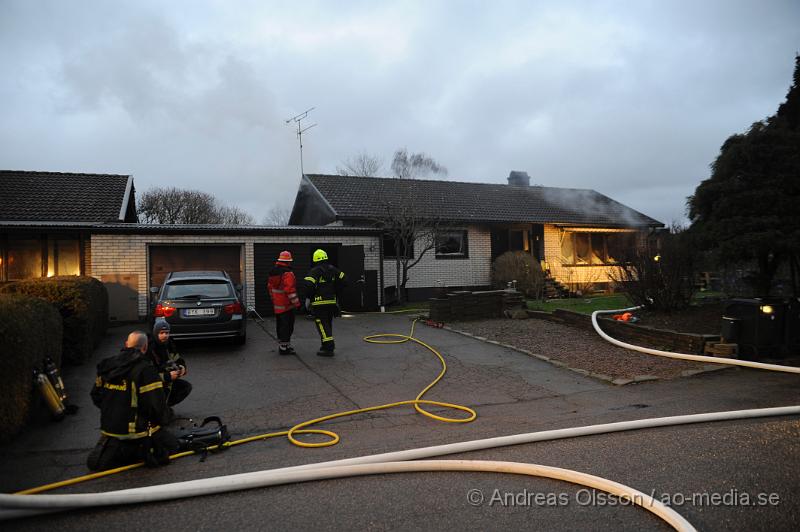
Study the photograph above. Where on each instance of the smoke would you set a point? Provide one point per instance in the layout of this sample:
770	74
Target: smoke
588	205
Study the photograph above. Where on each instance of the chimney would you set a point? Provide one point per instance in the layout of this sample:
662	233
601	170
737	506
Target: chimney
520	179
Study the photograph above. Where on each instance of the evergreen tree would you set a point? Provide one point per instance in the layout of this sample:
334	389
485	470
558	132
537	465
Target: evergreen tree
749	209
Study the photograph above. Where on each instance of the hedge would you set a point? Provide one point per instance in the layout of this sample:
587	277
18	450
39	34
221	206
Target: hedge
30	330
83	305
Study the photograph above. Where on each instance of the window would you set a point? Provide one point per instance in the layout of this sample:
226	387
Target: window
451	245
390	251
198	289
24	258
63	257
588	249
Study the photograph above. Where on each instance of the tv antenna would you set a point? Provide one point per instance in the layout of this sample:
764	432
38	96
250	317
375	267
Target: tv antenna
300	130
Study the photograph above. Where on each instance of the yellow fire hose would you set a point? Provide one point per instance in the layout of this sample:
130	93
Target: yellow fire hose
301	428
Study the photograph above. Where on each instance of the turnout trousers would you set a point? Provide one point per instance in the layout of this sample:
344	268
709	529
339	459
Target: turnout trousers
323	318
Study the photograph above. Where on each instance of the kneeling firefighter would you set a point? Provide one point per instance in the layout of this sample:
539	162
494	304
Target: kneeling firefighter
133	408
323	284
170	365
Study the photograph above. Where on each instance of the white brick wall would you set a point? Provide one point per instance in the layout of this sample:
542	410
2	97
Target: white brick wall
473	271
117	254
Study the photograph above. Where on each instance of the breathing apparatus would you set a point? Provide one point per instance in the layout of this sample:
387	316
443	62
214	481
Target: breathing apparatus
54	375
50	395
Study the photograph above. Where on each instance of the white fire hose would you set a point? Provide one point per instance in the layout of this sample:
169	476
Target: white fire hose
12	506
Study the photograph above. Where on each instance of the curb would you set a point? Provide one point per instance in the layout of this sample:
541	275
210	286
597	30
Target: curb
708	368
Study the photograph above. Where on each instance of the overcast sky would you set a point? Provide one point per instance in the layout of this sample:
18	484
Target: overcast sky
630	98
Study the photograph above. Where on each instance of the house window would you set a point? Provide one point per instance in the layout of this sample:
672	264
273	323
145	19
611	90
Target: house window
390	250
586	249
24	258
451	245
63	257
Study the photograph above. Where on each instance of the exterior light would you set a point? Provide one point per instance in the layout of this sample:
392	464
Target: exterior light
657	258
767	309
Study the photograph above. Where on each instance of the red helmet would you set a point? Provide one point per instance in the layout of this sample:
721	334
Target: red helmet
285	256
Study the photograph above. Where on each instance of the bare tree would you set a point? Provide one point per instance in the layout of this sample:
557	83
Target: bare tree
180	206
411	235
362	165
278	215
415	165
234	215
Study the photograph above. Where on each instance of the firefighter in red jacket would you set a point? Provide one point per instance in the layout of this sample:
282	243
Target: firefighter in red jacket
283	292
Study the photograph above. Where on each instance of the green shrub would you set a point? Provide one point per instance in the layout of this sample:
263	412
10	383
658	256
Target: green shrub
521	267
83	305
30	329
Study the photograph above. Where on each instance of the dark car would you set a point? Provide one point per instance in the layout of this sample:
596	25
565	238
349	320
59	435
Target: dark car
201	304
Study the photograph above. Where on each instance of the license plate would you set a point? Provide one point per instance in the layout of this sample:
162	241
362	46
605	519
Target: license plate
200	311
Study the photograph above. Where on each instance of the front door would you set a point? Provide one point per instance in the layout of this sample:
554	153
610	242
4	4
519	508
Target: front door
351	262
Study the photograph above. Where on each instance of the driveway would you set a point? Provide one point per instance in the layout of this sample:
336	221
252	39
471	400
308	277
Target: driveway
256	391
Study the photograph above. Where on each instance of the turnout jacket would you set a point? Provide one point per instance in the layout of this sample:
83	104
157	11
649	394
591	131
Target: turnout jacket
324	283
130	395
162	356
282	288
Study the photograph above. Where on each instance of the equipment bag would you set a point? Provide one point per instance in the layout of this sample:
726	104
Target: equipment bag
202	437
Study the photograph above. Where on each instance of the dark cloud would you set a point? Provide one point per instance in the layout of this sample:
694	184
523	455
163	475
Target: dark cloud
630	99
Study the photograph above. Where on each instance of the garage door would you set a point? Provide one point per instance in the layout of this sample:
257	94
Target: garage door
361	293
165	259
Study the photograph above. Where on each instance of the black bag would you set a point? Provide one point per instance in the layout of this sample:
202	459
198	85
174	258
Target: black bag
202	437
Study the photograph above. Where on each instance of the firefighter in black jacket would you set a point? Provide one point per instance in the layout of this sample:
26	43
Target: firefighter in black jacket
324	283
133	408
171	367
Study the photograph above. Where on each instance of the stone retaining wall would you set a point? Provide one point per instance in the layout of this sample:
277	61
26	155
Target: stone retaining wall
462	305
633	333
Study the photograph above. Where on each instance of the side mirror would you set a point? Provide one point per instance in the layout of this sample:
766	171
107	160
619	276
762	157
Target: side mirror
153	289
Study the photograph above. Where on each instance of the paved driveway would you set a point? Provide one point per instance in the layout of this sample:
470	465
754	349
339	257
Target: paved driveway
257	391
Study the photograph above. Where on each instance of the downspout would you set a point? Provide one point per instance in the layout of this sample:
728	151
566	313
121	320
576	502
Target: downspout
380	273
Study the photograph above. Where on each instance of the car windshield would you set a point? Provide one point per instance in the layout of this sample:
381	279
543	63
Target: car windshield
198	289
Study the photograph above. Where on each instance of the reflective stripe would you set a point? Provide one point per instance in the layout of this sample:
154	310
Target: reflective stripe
325	337
324	302
277	291
132	435
279	307
134	396
341	275
119	387
151	387
310	279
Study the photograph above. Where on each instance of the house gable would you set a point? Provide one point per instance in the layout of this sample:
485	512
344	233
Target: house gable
310	206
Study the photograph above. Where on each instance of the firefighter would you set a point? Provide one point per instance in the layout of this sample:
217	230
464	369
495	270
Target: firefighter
169	364
323	284
282	288
133	408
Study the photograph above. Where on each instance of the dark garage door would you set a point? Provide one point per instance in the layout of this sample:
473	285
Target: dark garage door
165	259
349	258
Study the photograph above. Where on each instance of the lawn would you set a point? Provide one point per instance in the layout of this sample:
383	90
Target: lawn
581	304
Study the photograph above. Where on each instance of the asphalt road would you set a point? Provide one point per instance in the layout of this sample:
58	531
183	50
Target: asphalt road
708	472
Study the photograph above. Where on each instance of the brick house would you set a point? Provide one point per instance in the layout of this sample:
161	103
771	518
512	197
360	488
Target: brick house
85	224
577	235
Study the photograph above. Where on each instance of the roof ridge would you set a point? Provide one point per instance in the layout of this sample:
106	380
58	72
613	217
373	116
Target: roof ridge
449	182
46	173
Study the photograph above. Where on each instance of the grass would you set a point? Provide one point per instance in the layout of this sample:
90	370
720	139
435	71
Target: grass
584	305
587	305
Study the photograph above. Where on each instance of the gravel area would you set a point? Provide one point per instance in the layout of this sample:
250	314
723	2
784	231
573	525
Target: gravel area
576	348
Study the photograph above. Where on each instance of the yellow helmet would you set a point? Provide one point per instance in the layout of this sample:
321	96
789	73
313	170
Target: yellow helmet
320	255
